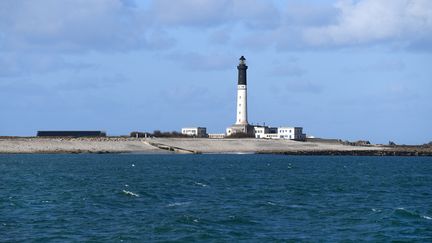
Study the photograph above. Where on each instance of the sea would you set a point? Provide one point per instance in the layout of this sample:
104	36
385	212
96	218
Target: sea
214	198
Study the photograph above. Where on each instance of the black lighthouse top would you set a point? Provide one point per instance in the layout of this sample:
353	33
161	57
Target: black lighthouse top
242	71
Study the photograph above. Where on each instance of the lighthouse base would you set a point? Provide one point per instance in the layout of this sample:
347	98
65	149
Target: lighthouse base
241	130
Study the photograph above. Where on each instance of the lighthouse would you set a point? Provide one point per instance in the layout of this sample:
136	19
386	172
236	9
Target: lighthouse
242	93
241	124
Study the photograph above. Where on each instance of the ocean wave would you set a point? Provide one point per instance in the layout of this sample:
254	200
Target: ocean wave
201	184
402	212
129	193
178	204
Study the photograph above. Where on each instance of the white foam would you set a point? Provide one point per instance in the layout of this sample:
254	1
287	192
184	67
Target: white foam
271	203
426	217
201	184
130	193
178	204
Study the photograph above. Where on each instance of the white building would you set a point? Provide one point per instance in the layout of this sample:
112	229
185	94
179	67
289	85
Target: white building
292	133
199	132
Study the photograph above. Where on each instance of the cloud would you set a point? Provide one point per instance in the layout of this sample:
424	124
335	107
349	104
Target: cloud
209	13
221	37
18	64
199	62
375	21
75	25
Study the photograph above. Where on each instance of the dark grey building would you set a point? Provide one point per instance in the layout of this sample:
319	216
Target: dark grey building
71	134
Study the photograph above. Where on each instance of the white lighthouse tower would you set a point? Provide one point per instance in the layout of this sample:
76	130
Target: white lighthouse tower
242	93
241	124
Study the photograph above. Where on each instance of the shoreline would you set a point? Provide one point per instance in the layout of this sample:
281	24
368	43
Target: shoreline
121	145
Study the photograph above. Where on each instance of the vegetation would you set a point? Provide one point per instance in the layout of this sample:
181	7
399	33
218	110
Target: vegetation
240	135
357	143
173	134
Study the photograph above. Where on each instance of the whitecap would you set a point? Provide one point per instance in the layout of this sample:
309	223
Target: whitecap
201	184
426	217
271	203
129	193
133	165
178	204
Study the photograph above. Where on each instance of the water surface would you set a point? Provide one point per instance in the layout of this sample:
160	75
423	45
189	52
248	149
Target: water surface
126	197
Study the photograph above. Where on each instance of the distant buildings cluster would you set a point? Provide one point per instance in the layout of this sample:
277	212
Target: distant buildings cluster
242	128
292	133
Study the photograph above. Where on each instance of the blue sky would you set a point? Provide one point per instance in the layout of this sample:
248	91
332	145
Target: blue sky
341	69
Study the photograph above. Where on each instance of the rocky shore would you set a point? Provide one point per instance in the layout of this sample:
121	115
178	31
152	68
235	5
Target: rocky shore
20	145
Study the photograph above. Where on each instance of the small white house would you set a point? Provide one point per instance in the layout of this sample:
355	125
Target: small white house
294	133
199	132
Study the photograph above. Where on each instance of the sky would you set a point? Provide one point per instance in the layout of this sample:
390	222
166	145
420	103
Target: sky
349	69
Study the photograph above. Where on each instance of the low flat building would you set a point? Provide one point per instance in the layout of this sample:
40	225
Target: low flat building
199	132
292	133
74	134
265	131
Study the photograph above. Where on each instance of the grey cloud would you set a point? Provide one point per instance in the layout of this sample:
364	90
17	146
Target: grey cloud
74	25
208	13
19	64
374	21
393	24
306	14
